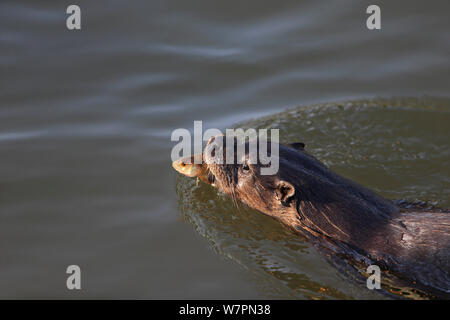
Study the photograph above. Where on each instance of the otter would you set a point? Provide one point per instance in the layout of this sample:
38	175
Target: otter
336	213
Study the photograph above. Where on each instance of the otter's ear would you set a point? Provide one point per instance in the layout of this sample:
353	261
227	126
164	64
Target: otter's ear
284	191
297	146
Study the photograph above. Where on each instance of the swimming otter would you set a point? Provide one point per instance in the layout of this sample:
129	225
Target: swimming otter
339	214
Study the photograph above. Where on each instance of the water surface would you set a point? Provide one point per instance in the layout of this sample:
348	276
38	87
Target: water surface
86	118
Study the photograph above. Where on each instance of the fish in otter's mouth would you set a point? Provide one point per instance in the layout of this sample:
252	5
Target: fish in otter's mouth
187	167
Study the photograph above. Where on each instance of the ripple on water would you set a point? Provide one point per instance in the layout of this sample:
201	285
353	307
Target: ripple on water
398	147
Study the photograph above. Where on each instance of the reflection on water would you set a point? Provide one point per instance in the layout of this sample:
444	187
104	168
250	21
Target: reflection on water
369	141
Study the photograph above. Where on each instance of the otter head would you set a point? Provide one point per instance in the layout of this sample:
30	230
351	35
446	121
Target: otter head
242	174
302	193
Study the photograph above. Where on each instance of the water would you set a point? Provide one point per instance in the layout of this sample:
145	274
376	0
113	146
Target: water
86	118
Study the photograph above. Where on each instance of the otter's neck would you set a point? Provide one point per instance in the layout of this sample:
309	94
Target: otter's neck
342	210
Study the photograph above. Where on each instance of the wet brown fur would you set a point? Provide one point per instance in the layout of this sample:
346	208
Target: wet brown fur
319	204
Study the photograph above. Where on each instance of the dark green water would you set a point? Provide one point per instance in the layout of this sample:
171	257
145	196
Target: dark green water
398	148
86	118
